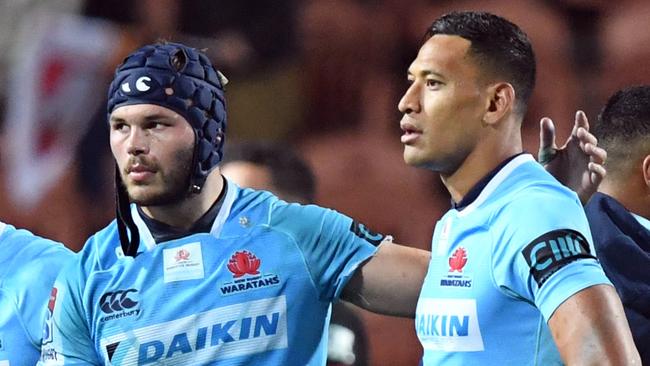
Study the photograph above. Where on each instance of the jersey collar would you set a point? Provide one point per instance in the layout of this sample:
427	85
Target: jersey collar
481	190
211	222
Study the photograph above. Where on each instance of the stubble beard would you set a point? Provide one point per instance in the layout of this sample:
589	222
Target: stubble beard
174	184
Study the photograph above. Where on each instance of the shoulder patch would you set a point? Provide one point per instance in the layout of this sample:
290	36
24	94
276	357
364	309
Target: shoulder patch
550	252
363	232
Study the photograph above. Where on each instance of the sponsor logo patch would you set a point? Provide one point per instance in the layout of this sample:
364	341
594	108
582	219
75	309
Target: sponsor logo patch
183	263
455	277
47	327
245	268
363	232
550	252
119	304
449	325
49	356
222	333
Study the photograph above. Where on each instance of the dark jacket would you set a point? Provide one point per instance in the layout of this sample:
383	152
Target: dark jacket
623	248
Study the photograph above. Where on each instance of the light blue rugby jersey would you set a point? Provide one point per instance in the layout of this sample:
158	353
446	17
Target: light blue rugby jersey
255	291
499	269
28	266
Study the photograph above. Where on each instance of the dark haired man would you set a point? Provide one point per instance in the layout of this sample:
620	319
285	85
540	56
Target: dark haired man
270	166
513	277
619	213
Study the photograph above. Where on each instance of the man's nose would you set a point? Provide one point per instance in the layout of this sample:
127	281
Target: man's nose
410	101
137	143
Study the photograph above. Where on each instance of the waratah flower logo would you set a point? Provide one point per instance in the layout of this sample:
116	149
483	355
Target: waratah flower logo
242	263
458	260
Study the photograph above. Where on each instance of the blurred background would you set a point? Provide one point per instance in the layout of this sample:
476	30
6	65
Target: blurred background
324	76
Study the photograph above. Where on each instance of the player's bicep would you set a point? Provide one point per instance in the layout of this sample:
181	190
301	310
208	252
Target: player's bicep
590	328
390	281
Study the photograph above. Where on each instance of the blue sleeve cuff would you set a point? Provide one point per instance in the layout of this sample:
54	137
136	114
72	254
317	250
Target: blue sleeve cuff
568	281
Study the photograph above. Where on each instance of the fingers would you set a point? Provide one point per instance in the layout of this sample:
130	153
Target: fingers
547	147
589	145
597	155
546	134
580	122
597	173
585	137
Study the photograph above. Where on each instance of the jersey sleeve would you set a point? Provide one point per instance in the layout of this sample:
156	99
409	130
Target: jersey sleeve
544	253
66	334
36	279
35	266
332	244
30	265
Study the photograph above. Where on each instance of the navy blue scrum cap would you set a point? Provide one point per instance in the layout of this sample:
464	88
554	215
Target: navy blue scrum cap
182	79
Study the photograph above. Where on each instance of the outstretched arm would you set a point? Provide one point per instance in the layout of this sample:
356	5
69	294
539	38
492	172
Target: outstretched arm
390	281
579	163
590	328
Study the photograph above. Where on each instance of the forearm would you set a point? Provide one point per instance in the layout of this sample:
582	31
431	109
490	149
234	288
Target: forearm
390	282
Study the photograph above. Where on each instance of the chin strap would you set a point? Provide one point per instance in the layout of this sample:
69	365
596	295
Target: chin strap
124	219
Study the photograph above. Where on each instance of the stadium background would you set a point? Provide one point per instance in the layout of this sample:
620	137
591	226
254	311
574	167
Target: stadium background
322	75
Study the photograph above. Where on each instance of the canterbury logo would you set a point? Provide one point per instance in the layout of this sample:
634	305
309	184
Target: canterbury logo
117	301
141	85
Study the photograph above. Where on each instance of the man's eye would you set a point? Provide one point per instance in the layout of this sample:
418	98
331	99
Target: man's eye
120	126
433	83
156	125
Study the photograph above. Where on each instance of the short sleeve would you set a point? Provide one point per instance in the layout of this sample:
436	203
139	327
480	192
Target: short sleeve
66	335
33	276
544	251
332	244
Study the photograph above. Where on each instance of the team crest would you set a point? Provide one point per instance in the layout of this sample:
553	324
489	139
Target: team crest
242	263
455	276
245	266
458	260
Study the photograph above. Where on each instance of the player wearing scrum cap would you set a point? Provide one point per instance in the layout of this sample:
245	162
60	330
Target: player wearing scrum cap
196	270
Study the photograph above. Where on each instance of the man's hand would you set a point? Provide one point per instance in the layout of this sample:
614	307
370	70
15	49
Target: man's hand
579	163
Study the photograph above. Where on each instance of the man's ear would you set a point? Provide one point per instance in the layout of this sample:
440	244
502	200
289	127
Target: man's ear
646	171
501	102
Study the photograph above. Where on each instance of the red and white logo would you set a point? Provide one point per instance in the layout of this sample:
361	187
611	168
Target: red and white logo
458	260
182	255
242	263
50	304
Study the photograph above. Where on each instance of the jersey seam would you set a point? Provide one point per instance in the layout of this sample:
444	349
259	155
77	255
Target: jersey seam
513	196
302	254
22	322
295	243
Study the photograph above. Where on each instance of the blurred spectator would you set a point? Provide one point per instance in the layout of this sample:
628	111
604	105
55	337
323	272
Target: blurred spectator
54	78
625	45
279	169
